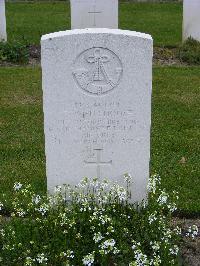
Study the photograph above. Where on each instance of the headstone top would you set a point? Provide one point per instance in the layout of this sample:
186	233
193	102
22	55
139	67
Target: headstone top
3	34
94	14
191	19
97	31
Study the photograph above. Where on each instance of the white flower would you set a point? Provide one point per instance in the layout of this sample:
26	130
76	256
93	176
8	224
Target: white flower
2	232
153	183
119	192
178	230
111	229
167	234
144	204
70	254
89	259
95	182
135	244
104	184
36	199
17	186
172	207
43	209
63	254
174	250
155	245
115	250
133	263
1	206
192	231
97	237
107	246
127	177
21	213
152	217
141	258
83	183
162	199
57	189
104	219
41	258
156	261
29	261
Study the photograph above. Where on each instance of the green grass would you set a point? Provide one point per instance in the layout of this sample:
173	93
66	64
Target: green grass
28	21
175	130
162	21
22	141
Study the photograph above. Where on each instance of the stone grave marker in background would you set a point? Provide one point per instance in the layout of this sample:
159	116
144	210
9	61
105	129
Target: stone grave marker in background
191	19
3	34
97	106
94	14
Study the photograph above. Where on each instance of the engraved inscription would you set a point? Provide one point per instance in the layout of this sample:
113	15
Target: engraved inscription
94	12
97	70
98	162
105	122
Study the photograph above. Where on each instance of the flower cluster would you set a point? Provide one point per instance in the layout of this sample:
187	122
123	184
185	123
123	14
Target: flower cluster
154	182
88	259
17	186
93	223
192	231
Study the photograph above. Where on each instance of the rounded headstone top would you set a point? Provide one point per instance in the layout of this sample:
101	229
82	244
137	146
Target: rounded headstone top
96	31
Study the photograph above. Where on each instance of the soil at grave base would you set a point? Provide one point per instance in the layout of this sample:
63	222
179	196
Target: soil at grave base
34	54
190	250
166	57
34	57
162	56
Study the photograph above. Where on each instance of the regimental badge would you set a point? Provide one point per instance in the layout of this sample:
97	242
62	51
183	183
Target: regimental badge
97	70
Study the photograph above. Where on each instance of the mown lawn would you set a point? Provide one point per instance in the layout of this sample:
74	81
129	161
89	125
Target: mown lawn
28	21
175	130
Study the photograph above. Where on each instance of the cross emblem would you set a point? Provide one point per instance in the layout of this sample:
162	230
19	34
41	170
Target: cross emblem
100	74
98	162
94	12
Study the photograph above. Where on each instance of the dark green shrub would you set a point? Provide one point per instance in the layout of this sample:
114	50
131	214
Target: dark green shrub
13	52
189	52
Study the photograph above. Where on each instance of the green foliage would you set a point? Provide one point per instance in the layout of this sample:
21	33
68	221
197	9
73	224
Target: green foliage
91	224
15	52
189	52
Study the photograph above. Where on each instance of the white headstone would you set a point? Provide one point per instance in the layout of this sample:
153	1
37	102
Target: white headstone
191	19
3	35
94	14
97	106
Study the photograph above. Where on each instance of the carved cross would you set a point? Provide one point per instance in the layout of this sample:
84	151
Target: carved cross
94	12
98	59
98	162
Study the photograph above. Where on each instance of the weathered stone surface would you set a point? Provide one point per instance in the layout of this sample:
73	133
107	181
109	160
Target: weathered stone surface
94	14
97	106
3	34
191	19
